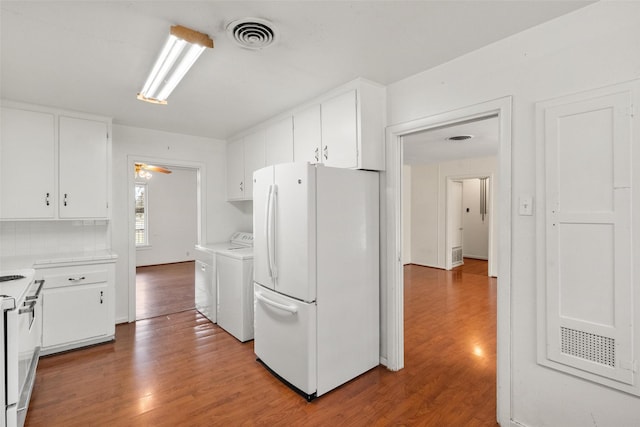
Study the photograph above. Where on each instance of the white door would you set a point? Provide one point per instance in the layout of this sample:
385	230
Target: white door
295	230
83	168
340	131
27	153
285	337
454	221
306	135
262	220
588	229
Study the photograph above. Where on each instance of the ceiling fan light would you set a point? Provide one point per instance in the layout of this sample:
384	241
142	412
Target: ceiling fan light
173	63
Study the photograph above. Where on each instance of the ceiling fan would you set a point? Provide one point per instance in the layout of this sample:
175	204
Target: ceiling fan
143	170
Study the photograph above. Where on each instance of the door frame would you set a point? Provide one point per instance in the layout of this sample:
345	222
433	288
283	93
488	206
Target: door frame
448	234
392	296
491	261
131	204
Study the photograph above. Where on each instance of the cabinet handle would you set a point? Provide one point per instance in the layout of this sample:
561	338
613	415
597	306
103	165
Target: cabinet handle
76	279
317	154
46	199
101	297
241	189
65	199
326	152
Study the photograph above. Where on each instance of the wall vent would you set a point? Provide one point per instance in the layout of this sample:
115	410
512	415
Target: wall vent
592	347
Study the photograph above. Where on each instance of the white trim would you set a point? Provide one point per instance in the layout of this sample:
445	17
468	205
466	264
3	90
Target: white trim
391	248
491	262
131	239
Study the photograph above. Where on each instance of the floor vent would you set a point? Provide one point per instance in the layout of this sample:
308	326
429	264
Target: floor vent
592	347
456	255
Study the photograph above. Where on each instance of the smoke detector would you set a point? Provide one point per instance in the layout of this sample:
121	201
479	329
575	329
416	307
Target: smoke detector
458	138
252	33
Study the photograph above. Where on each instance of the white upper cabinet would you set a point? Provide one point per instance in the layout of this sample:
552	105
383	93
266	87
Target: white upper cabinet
343	128
279	142
83	168
235	169
306	135
254	159
54	165
339	131
27	159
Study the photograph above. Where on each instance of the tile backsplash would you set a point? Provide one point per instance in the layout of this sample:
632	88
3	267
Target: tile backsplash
20	238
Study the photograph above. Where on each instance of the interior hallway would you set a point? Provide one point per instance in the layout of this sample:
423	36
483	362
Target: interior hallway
183	370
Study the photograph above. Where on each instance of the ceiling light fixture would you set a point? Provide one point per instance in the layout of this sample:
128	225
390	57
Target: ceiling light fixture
179	53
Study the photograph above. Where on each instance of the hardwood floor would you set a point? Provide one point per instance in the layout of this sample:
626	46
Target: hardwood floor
164	289
182	370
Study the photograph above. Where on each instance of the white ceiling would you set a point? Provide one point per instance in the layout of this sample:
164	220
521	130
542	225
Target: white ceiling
432	146
93	56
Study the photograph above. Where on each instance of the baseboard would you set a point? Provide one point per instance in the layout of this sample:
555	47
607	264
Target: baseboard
383	362
481	258
122	320
514	423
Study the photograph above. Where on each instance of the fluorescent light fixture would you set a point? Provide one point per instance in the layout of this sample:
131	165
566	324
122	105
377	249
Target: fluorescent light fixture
180	52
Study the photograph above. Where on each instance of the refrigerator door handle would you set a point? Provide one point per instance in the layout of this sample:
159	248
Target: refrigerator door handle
271	203
284	307
267	228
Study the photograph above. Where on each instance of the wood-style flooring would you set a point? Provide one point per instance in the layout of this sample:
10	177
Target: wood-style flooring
182	370
164	289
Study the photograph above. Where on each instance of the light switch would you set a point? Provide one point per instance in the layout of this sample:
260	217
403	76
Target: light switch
526	205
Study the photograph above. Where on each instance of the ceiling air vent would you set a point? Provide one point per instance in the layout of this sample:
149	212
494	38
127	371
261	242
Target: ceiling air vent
252	33
459	138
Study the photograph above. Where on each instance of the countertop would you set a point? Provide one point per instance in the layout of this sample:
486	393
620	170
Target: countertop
55	259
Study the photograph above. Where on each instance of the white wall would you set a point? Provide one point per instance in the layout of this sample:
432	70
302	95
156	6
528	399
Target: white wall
428	209
592	47
172	207
475	230
222	218
406	214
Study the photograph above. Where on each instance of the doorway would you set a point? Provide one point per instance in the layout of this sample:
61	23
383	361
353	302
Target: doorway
393	277
166	234
162	268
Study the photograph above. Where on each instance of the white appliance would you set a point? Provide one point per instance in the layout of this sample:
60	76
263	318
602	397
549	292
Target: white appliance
235	292
22	326
205	271
316	273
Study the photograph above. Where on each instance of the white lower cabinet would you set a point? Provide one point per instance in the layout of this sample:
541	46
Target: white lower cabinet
78	306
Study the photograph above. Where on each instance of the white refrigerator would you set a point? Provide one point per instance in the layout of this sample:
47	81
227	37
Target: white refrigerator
316	274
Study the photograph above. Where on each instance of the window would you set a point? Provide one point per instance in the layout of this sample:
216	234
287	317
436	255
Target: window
142	220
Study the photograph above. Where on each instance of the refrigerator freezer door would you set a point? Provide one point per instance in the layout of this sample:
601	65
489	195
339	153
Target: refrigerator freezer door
285	337
295	230
263	250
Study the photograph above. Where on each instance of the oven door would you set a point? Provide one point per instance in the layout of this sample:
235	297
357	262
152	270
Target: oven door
24	338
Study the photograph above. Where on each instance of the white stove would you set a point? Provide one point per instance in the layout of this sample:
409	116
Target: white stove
22	326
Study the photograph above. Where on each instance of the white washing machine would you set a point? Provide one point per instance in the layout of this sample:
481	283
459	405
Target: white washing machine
205	272
235	292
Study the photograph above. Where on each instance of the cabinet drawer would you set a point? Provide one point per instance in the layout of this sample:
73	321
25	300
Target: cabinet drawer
75	277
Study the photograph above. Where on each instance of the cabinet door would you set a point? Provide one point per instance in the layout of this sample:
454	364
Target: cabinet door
306	135
27	159
340	131
83	168
254	159
235	169
279	142
74	313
